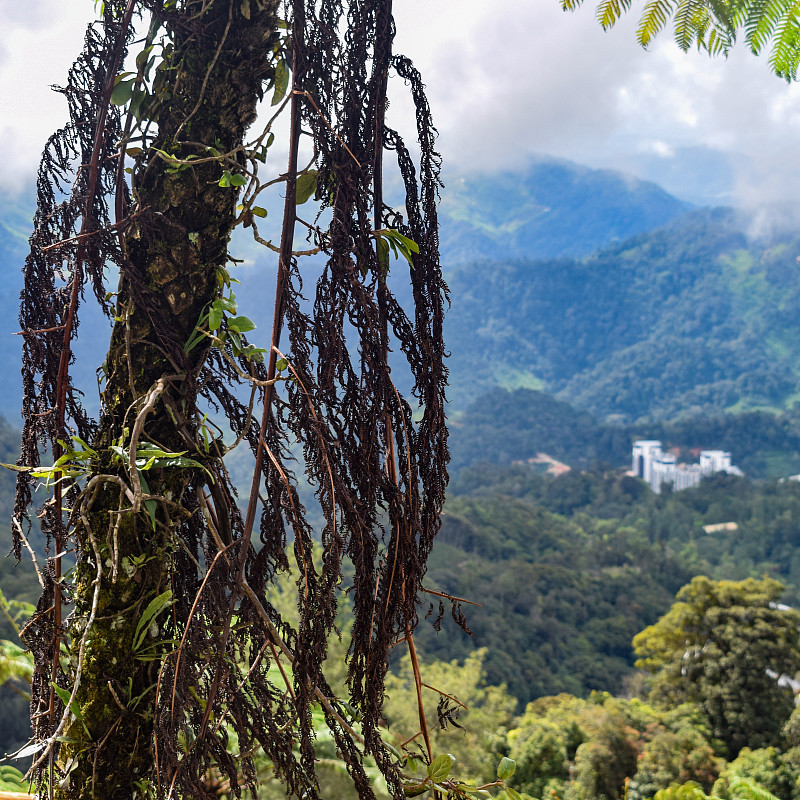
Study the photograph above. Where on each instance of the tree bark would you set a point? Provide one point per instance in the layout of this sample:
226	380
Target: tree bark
174	249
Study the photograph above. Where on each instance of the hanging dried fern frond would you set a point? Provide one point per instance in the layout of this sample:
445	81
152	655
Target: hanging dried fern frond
179	666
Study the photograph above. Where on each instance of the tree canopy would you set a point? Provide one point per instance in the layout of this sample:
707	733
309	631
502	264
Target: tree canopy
726	646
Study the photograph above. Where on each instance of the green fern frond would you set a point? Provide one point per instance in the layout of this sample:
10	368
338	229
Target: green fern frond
728	15
718	43
692	21
785	54
713	25
609	11
653	19
762	20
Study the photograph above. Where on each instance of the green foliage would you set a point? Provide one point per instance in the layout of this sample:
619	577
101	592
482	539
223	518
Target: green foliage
400	245
691	318
762	774
713	26
676	751
306	186
560	599
477	738
685	791
584	749
12	780
723	646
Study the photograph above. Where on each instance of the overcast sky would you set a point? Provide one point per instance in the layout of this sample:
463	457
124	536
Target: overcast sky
506	79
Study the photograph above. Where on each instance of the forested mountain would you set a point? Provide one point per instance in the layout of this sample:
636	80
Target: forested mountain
549	209
15	227
688	315
694	316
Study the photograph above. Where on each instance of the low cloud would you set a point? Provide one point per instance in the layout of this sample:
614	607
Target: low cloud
506	80
518	78
41	40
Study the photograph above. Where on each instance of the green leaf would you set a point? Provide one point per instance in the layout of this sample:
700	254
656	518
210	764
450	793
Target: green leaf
154	607
254	353
241	324
214	317
440	767
64	694
238	180
225	180
513	793
141	56
306	186
410	244
122	92
416	788
281	82
227	303
245	8
150	505
281	364
137	99
506	767
257	211
383	254
147	450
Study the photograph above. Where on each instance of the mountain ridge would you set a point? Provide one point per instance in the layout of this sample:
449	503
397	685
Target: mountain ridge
692	316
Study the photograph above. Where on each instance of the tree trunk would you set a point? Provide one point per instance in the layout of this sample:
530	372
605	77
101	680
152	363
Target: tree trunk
174	250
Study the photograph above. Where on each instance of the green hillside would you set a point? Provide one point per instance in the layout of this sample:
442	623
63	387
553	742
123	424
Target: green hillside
567	569
551	208
693	317
502	427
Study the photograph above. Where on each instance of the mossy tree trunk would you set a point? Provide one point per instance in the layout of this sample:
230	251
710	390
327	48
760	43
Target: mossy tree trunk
174	248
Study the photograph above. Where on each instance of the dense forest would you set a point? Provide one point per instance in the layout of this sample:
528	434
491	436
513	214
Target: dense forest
503	426
692	317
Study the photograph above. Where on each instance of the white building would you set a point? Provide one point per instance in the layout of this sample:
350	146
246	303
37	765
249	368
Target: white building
645	451
656	467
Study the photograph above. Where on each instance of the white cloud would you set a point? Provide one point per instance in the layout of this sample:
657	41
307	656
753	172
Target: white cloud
506	79
41	38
